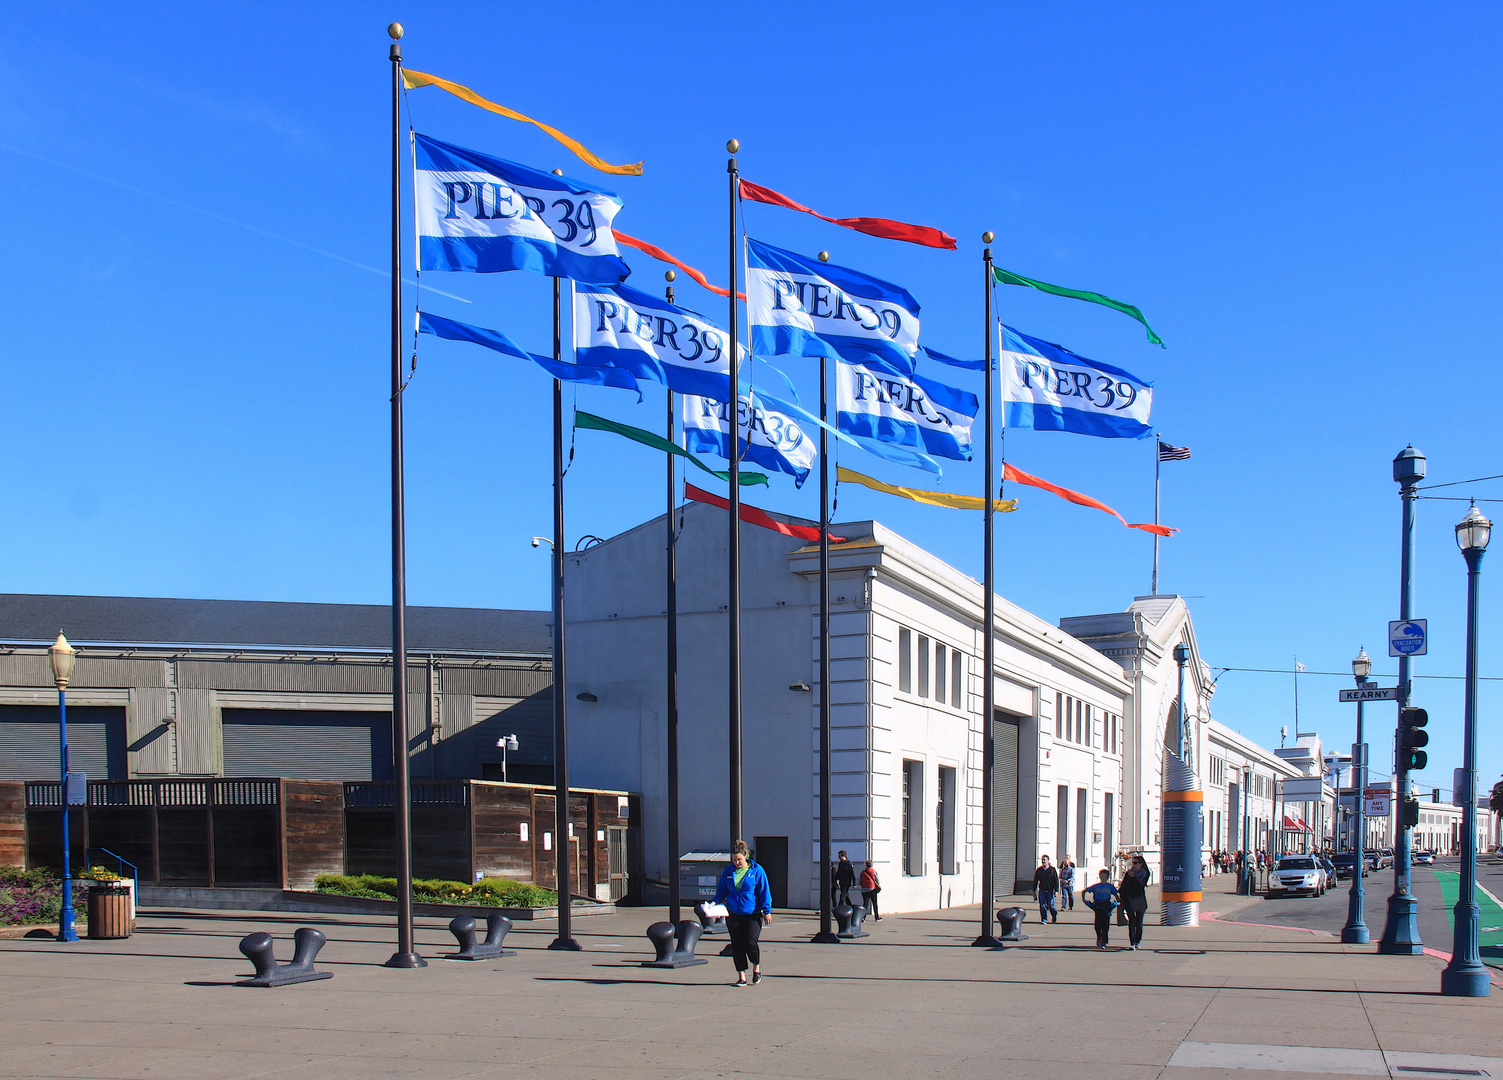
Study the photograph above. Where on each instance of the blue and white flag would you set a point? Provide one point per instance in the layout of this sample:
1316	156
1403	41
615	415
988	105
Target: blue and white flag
968	365
1046	387
918	412
770	438
483	214
617	326
439	326
805	307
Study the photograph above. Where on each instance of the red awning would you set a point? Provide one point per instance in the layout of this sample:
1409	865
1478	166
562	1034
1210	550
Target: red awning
1294	825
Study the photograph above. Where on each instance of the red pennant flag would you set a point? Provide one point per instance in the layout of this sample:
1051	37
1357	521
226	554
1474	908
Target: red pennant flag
872	226
752	516
661	255
1019	476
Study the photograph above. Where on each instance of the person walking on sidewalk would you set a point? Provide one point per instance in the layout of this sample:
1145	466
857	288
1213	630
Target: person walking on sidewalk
1067	884
845	881
1045	885
747	897
1134	892
1101	898
869	890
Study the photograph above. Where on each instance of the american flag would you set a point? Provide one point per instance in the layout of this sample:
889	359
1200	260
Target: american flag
1173	453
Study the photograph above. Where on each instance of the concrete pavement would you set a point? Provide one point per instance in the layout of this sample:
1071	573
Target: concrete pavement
912	1000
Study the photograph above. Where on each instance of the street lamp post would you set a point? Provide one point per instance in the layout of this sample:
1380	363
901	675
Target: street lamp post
62	656
1247	853
1465	976
1355	931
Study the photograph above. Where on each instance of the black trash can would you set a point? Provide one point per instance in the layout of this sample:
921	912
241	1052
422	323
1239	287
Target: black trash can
109	910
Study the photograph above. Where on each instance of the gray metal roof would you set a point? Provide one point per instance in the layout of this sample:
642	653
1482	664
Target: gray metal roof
162	621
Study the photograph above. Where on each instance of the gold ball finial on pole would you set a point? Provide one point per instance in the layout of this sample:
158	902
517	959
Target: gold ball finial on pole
987	237
732	146
824	256
669	276
396	31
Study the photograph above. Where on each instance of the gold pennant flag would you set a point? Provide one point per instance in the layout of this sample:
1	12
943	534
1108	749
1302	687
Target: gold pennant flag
414	79
933	498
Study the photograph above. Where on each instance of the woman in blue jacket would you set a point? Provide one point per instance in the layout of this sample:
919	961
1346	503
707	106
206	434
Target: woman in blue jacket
747	897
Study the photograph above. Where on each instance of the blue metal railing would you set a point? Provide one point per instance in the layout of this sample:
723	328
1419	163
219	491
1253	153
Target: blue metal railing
120	864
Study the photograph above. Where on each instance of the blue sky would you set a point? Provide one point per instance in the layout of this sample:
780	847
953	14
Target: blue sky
1303	200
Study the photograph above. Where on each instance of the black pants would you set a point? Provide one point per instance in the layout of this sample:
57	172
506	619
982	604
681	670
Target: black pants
1135	925
746	932
1103	925
870	896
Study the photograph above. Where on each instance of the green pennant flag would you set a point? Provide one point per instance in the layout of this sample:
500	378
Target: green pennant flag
1006	277
657	442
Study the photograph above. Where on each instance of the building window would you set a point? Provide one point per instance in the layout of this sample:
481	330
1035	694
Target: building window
905	660
939	673
1080	708
1108	827
923	666
1062	838
957	679
944	816
1088	730
1059	715
913	799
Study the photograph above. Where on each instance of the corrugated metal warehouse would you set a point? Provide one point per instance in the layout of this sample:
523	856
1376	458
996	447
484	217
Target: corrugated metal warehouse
193	688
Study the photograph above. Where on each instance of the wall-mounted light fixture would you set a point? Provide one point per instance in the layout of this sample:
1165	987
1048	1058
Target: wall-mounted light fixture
585	695
801	686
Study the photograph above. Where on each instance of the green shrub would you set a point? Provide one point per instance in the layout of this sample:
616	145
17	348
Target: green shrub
35	896
487	892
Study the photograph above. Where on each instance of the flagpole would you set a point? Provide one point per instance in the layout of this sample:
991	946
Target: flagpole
563	879
674	899
826	936
733	603
1155	513
404	957
986	938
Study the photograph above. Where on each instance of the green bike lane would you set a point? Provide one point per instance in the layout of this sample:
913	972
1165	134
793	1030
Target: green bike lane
1491	936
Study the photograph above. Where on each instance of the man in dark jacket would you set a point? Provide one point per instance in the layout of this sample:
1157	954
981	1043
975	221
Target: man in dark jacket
1045	885
845	880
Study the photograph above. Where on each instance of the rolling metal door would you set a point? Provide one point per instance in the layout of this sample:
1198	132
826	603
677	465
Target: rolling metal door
28	742
307	745
1005	806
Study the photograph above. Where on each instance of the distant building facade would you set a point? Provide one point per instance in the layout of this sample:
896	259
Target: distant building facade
202	688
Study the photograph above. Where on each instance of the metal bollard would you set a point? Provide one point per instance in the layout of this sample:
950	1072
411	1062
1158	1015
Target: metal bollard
674	947
306	944
849	918
708	925
1010	924
497	926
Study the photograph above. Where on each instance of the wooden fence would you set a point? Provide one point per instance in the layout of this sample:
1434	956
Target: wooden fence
277	832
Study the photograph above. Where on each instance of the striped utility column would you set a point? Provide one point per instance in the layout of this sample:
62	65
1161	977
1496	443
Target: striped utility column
1181	831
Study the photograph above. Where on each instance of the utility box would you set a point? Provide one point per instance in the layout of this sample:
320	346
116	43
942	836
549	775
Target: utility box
698	874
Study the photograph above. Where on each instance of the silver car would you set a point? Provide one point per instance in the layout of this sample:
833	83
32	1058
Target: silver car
1297	874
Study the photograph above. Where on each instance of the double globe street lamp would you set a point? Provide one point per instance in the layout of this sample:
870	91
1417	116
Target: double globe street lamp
1465	975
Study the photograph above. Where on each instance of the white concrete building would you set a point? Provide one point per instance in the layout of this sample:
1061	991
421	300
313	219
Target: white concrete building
906	699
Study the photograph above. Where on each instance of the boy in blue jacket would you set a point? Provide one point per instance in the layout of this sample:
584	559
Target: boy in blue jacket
1102	898
747	897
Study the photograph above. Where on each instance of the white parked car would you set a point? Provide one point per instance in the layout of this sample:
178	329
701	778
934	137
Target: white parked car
1297	874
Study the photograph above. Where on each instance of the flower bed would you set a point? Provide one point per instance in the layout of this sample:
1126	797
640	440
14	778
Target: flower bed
35	896
487	892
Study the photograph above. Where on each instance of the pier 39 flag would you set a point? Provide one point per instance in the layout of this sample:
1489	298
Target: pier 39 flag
802	306
617	326
1048	388
485	215
917	412
769	438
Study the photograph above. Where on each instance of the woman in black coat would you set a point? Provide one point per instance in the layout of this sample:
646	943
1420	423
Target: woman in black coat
1133	890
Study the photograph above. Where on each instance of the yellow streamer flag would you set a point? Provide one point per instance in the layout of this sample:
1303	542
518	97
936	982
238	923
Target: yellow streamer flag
414	79
933	498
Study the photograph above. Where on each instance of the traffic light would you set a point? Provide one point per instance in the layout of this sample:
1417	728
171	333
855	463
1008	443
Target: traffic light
1412	736
1411	811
